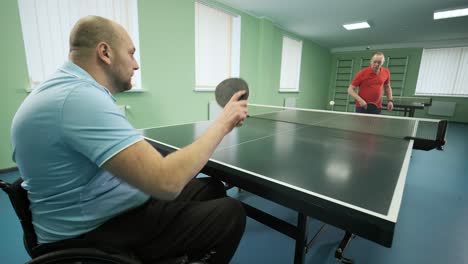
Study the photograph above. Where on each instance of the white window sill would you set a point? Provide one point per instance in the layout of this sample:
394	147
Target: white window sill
140	90
136	91
288	91
442	95
204	89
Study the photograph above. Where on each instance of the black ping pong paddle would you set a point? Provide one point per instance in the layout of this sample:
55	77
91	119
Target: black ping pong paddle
227	88
372	109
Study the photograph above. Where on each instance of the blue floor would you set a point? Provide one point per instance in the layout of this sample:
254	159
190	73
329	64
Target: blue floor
432	226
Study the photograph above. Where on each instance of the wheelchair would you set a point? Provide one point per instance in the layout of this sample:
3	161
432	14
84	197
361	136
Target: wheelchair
70	251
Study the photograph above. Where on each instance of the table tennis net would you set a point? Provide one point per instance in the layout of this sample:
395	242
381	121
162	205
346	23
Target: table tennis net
422	130
407	100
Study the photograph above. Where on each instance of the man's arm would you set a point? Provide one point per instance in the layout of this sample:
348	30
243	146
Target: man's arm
388	93
165	177
352	92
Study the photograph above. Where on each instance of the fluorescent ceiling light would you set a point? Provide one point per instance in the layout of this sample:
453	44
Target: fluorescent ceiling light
356	25
451	13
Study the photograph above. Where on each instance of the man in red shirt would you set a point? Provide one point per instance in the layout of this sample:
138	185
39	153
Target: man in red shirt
370	81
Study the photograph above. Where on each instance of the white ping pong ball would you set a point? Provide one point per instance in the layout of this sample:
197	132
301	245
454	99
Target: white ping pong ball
332	102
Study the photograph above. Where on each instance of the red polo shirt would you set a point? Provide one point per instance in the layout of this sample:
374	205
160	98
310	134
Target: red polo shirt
371	84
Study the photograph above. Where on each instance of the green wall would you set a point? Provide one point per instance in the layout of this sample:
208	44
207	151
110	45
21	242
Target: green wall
168	67
414	60
13	74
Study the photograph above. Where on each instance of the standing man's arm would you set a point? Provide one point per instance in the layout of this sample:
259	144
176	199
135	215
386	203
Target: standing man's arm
352	92
165	177
388	93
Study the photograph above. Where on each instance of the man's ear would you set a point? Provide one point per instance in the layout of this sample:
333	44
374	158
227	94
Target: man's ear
104	52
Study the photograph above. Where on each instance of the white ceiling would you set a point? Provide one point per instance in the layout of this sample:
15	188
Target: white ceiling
394	23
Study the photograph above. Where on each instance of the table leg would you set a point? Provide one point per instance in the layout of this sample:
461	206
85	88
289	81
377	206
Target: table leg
341	248
301	239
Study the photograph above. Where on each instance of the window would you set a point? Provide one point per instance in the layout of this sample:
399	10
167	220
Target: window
217	46
46	26
443	72
290	65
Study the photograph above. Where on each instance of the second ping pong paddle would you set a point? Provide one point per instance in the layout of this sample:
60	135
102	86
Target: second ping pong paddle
227	88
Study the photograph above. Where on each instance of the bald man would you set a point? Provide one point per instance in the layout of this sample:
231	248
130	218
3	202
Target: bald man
90	174
372	81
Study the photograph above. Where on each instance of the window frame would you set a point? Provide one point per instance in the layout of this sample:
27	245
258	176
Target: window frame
30	11
234	57
295	89
458	77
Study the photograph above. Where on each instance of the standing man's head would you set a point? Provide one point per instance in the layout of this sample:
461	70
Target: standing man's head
377	61
104	49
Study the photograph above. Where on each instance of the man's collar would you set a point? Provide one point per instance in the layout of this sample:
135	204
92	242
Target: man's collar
75	70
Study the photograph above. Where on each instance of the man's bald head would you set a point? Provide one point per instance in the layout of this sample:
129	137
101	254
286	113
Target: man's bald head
91	30
104	49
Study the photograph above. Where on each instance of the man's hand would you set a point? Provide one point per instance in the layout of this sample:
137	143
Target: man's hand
363	103
233	113
390	106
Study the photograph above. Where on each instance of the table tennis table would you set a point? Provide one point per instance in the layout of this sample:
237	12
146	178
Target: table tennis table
344	169
406	104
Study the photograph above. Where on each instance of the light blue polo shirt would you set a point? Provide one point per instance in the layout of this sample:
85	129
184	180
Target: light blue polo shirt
62	134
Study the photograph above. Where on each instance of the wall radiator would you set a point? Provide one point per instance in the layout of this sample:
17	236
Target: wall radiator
442	108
